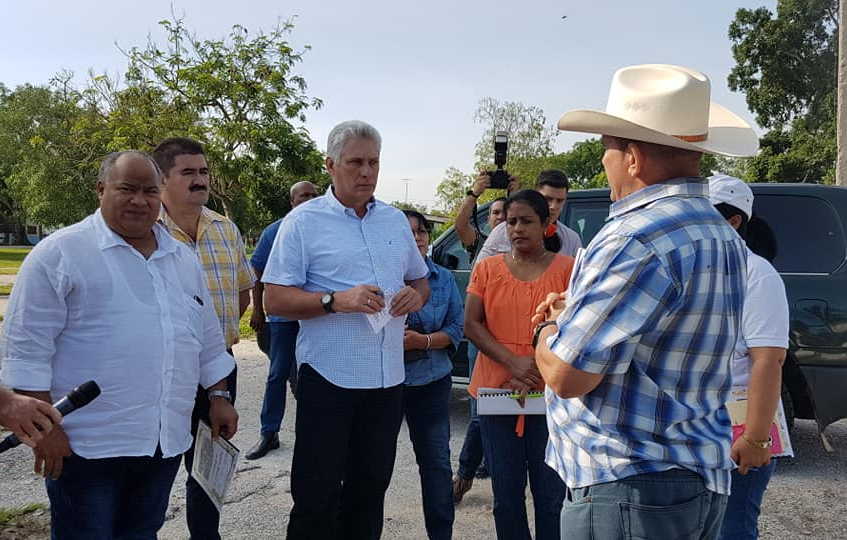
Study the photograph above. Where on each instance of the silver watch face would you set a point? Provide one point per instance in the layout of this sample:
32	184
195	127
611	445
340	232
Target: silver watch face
326	299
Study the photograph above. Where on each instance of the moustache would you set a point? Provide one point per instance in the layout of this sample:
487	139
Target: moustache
198	188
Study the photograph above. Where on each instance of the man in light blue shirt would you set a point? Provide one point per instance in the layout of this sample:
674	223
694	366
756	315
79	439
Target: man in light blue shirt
342	264
282	334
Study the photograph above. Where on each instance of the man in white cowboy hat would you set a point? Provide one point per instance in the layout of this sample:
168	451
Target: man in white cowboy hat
636	354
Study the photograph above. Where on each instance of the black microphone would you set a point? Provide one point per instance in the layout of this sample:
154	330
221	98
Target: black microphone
80	396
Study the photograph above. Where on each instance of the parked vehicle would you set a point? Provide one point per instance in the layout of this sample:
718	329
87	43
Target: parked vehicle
801	229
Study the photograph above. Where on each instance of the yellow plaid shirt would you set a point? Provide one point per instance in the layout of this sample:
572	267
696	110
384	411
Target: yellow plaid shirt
221	252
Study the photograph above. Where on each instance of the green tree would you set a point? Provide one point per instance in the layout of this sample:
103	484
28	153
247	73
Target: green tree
451	190
530	140
249	104
526	125
50	151
786	66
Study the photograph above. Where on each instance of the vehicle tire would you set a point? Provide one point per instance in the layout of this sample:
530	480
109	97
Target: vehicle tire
788	406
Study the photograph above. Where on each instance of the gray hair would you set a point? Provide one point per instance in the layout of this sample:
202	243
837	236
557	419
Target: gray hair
109	161
351	129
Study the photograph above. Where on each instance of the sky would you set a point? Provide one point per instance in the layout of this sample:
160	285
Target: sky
415	70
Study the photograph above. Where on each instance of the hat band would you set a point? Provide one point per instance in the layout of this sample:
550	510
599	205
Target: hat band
693	138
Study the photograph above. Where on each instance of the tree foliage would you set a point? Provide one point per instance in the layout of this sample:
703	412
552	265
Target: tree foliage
246	97
786	66
239	96
526	125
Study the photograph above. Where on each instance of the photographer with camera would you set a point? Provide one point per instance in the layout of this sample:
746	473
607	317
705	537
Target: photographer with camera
553	185
467	231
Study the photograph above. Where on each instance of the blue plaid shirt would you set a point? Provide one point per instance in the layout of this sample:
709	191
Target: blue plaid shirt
655	305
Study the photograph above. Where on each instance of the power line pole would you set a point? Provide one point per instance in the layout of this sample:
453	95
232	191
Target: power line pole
841	122
407	180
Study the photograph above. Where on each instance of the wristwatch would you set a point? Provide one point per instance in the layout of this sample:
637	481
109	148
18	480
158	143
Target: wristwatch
327	300
470	193
221	394
538	329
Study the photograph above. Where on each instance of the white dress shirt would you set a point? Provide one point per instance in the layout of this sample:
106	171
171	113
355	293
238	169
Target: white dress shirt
88	306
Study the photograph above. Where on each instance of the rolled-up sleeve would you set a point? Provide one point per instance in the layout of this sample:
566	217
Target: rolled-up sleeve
215	362
287	263
454	321
246	279
620	289
35	316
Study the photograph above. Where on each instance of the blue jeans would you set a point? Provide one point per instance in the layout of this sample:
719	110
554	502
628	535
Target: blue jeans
427	412
283	339
112	498
670	504
201	515
510	458
470	457
741	520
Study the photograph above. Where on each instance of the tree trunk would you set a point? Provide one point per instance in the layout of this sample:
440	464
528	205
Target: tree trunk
20	234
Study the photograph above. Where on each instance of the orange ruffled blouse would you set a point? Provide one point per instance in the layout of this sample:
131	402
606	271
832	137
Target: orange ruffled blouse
509	304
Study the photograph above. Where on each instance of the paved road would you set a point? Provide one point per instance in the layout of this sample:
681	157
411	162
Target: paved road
806	498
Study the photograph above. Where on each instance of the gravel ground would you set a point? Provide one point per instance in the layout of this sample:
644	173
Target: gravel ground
804	500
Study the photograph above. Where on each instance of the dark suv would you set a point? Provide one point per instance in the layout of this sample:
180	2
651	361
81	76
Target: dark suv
801	229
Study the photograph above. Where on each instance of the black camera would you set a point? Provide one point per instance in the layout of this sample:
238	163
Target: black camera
500	177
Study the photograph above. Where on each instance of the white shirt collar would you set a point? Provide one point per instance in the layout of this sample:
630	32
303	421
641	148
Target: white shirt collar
107	238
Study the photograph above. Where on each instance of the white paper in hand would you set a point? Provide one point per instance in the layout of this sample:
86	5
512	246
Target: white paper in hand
379	319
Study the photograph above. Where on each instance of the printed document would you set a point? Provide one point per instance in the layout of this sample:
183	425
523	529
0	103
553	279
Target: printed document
214	464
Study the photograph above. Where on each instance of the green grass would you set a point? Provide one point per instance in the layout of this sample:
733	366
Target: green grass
11	259
5	290
244	330
9	516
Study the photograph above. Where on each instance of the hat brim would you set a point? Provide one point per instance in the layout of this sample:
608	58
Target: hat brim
728	135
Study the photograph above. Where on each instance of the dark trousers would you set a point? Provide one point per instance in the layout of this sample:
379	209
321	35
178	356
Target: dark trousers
427	412
344	450
741	520
470	458
668	504
510	458
283	340
112	498
200	512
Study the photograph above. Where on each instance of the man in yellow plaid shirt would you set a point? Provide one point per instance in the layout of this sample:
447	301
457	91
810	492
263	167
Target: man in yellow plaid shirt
218	244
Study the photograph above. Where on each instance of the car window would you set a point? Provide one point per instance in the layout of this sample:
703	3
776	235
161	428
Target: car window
811	244
586	218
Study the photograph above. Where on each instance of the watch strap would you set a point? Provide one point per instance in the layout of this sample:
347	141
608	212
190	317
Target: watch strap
537	333
221	394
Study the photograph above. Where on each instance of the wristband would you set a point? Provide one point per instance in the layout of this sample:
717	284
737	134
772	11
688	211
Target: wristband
470	193
538	329
428	341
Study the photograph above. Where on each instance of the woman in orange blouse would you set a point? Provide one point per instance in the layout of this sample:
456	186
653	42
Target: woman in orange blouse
502	296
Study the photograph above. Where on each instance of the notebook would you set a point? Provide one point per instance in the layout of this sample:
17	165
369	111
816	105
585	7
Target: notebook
737	407
500	401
